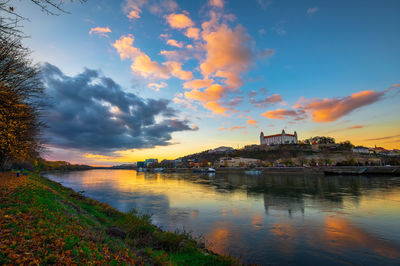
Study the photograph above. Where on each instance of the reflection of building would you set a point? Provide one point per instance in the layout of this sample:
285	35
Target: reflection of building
278	203
282	138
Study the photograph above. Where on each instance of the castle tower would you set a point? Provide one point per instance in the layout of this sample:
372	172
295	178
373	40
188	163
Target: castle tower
261	138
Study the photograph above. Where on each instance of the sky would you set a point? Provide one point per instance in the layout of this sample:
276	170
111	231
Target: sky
136	79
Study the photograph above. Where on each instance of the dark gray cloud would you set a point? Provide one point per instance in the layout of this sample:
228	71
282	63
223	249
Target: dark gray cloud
91	112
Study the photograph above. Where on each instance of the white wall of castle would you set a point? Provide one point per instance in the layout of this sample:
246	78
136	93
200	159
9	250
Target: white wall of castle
281	139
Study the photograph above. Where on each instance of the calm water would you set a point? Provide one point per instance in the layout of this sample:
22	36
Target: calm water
267	219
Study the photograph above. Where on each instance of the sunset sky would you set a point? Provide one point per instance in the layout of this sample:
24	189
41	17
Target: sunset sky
135	79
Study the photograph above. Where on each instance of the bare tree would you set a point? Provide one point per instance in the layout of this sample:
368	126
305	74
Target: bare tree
10	20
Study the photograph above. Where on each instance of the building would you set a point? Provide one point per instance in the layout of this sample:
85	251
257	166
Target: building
150	162
237	162
282	138
140	164
380	150
361	149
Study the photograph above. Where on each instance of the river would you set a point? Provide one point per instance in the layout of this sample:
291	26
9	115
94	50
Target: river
263	219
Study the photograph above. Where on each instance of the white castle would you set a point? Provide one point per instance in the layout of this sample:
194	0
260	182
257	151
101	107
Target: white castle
282	138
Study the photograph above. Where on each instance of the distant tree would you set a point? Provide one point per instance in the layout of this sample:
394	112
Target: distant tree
319	140
346	145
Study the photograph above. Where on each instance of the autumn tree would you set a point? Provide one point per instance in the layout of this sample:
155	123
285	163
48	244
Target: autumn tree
21	89
18	128
21	92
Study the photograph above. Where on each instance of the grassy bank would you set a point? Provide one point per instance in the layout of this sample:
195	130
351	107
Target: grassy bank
42	222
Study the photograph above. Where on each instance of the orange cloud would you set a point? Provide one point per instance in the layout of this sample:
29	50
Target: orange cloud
228	55
222	128
228	52
175	43
192	33
328	110
384	138
211	94
175	68
216	3
125	47
216	108
100	31
209	98
157	86
132	9
197	83
179	21
283	113
195	127
144	66
236	128
252	122
355	127
133	14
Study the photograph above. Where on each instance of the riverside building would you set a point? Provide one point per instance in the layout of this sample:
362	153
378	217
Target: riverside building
282	138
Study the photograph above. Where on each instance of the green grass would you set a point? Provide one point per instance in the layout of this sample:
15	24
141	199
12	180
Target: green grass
60	225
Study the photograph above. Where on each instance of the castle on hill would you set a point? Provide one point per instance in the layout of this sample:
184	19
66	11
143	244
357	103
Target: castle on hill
282	138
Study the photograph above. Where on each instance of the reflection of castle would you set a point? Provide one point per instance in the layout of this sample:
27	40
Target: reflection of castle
282	138
278	203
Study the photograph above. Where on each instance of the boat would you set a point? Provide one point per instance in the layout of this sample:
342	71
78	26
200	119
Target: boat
203	170
210	170
252	172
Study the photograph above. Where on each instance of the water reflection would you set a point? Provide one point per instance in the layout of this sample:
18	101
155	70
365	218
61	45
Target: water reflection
263	219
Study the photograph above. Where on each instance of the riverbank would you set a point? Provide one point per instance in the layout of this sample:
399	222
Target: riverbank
315	170
42	222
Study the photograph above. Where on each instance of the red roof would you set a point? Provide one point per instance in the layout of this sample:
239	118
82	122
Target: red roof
271	136
278	135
